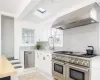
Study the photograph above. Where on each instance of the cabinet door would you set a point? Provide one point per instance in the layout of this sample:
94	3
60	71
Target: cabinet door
47	34
40	63
27	36
47	63
95	74
36	59
42	34
39	35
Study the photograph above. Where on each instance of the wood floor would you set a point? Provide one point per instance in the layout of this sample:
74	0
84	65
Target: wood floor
32	76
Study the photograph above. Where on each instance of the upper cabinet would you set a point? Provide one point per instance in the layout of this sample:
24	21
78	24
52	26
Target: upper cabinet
27	36
42	34
45	32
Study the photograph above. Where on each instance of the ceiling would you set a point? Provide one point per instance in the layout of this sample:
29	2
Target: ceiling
9	6
53	7
12	7
24	9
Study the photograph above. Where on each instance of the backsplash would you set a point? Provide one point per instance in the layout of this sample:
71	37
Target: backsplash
27	47
77	39
43	44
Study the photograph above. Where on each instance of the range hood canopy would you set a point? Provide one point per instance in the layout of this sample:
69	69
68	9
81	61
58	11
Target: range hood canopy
87	15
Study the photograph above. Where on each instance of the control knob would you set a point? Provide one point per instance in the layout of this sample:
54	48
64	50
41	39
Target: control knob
73	60
82	63
69	59
86	63
77	62
60	57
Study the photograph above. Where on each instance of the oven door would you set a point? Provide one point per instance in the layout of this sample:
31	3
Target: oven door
58	69
78	72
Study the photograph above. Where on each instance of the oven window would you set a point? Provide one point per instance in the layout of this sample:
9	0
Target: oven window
77	75
58	68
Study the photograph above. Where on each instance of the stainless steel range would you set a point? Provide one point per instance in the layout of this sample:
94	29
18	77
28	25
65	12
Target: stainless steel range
68	65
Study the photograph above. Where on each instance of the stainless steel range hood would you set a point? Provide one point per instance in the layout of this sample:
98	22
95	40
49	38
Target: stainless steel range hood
87	15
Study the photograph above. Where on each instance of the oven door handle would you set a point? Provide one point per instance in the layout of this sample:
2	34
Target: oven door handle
58	61
79	67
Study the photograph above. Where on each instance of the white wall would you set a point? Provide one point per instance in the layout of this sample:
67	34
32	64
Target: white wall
77	39
7	36
46	24
18	34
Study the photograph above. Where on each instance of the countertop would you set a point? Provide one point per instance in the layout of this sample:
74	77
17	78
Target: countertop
46	51
6	68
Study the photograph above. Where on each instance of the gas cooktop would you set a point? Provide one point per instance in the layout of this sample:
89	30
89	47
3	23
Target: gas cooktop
63	52
78	54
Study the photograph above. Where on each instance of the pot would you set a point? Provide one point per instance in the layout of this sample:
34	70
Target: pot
90	50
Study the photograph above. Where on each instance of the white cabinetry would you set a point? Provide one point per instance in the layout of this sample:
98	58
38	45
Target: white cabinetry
95	68
95	74
39	34
42	34
28	37
43	61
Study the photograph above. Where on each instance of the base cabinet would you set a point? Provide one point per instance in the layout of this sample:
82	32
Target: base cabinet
43	61
95	74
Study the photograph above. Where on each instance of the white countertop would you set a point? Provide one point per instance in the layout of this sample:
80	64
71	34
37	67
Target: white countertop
46	51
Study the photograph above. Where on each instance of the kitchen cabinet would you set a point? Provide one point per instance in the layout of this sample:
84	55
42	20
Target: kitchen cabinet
95	74
42	34
47	63
95	68
27	36
43	61
38	59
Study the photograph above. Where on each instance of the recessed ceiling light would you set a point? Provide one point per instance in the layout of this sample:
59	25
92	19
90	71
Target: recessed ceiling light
41	14
41	10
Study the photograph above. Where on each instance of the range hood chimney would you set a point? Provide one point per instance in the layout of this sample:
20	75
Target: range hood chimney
87	15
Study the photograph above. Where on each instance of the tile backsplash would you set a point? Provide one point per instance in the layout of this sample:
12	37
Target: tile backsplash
43	44
77	39
27	48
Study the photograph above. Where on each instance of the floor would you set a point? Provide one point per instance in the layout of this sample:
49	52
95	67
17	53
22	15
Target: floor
32	76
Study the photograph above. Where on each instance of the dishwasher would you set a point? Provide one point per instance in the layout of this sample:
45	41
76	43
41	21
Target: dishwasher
29	59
